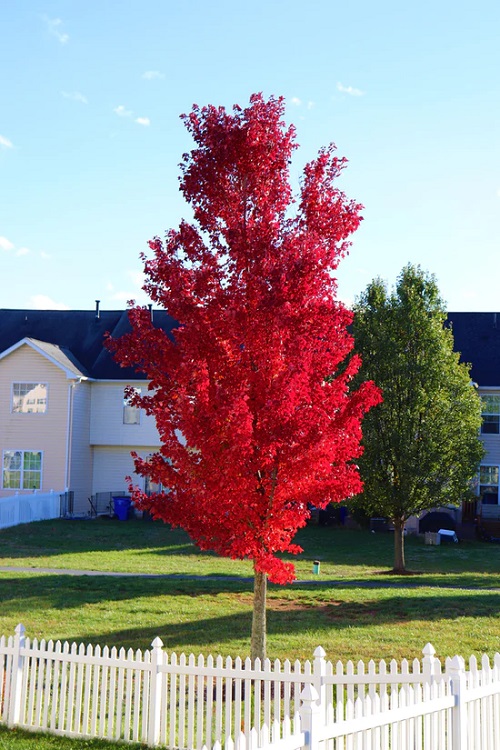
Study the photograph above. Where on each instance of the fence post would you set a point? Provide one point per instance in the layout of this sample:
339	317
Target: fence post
319	671
430	664
155	693
310	716
456	672
16	683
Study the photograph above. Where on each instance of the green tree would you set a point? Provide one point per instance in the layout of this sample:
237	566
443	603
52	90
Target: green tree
421	445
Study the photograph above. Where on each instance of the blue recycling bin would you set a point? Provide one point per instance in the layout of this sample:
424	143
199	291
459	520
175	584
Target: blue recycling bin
121	505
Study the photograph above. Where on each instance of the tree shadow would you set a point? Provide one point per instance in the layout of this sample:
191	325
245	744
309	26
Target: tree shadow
63	536
322	619
291	615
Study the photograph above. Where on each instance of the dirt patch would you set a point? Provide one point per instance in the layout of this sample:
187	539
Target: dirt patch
284	605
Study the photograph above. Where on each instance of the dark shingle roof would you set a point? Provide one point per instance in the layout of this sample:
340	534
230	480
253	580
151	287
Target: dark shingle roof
78	333
477	338
80	336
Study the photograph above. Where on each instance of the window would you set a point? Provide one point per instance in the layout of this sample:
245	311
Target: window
22	470
29	398
488	485
131	413
491	415
150	486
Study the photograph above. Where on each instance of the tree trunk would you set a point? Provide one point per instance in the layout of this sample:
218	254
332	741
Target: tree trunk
399	546
258	644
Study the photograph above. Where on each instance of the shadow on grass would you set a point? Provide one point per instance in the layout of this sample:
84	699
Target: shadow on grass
291	611
321	618
333	545
74	591
100	534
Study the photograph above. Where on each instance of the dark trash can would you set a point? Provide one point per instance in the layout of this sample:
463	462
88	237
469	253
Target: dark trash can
121	505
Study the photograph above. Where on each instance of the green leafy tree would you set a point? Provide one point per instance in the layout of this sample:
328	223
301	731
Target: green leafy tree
421	444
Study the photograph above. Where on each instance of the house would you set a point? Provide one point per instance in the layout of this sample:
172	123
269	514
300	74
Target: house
477	338
64	422
65	425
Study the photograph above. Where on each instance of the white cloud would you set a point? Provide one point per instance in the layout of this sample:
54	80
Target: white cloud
151	75
122	112
134	282
137	277
298	102
44	255
54	28
5	142
75	96
6	244
349	90
42	302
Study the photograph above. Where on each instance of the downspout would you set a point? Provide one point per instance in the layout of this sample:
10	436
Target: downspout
69	433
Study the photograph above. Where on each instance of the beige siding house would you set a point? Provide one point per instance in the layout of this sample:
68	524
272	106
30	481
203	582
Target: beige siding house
65	424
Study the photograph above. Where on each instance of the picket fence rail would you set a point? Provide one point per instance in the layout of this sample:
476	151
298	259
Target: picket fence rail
161	699
36	506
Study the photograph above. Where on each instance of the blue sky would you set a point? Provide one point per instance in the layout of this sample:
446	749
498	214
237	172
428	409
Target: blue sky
90	135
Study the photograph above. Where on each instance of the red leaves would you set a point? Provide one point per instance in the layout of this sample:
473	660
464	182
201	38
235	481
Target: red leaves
256	380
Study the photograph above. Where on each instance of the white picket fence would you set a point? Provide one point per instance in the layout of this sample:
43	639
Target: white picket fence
195	703
27	508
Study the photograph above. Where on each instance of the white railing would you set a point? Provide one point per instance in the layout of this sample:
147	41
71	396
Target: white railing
196	703
27	508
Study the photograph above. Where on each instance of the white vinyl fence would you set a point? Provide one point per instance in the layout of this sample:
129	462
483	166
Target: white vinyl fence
195	703
27	508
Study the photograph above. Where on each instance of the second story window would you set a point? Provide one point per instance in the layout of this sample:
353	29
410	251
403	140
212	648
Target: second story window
29	398
131	413
491	415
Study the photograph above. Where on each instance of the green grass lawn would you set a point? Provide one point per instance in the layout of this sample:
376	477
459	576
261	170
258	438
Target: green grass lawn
352	608
17	739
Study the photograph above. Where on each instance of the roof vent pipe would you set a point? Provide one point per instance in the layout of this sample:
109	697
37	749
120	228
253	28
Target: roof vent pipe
150	307
97	313
494	320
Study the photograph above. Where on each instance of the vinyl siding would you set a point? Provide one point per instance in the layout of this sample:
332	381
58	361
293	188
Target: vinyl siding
80	467
112	464
492	447
491	442
35	432
106	418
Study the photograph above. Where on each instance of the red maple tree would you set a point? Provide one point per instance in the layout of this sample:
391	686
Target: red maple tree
252	395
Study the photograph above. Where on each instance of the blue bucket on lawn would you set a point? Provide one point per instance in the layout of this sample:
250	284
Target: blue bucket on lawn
121	505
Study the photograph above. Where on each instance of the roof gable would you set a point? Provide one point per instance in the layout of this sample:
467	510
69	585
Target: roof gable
74	339
62	359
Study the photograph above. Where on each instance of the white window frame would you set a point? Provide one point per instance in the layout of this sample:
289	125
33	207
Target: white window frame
19	384
491	414
22	470
484	484
131	414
